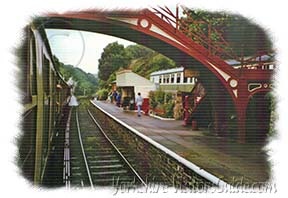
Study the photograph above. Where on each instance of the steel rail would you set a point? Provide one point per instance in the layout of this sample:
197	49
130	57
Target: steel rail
83	152
67	171
118	151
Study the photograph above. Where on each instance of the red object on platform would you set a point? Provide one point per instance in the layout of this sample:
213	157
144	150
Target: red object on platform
145	106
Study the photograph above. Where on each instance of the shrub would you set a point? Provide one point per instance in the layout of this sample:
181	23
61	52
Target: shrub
162	102
169	98
169	107
102	94
178	110
152	100
159	96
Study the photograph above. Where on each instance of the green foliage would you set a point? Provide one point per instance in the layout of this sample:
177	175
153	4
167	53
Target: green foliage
156	98
137	51
86	83
274	115
151	63
152	100
243	37
102	94
168	97
102	84
112	58
169	112
160	96
206	20
138	58
246	38
111	78
163	102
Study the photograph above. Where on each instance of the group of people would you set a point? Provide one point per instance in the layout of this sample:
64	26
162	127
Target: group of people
116	96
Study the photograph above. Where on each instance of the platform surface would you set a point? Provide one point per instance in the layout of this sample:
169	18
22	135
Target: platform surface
226	159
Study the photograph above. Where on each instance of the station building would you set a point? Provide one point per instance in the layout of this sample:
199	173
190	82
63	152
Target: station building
130	83
179	81
173	80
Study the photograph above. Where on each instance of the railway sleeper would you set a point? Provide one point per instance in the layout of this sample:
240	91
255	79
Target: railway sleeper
111	173
117	181
105	161
107	166
102	156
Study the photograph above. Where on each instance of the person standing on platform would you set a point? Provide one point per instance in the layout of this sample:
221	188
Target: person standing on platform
118	99
139	101
114	96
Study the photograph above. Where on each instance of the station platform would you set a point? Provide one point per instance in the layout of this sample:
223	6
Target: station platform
226	159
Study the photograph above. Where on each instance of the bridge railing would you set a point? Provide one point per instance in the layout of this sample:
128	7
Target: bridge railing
168	16
215	47
191	28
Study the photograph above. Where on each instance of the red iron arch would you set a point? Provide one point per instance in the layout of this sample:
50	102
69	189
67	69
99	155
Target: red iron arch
149	26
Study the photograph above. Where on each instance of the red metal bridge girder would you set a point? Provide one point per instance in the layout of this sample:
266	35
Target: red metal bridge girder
145	21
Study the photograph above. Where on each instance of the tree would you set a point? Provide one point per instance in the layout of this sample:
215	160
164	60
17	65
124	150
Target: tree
154	62
112	58
243	36
138	58
137	51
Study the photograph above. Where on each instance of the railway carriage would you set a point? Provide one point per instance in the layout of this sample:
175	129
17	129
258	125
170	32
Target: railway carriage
45	98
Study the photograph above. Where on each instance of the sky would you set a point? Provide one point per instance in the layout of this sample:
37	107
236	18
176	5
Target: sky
80	48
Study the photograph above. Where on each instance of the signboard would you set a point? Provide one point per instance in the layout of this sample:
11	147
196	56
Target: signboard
190	73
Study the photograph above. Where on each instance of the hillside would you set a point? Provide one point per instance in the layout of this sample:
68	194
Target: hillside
138	58
144	66
86	83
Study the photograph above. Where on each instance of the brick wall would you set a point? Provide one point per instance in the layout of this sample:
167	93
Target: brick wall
152	163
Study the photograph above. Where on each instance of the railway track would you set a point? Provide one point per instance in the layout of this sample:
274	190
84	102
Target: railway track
113	154
95	160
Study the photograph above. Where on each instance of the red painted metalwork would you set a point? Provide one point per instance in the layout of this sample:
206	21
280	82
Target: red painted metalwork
191	104
250	69
163	24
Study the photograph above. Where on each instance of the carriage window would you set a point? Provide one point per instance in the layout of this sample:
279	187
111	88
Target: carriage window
185	79
45	73
178	77
24	54
166	79
33	67
172	78
160	79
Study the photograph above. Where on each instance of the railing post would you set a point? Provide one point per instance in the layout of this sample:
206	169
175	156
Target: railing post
177	18
241	108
